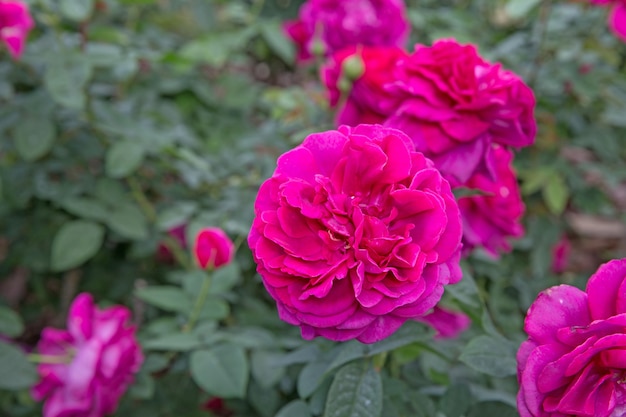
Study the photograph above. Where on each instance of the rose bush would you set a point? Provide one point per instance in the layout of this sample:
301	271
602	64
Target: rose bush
355	233
15	23
574	361
89	366
366	99
494	216
336	24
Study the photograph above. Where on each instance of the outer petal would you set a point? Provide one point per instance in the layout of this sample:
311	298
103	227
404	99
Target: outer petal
607	290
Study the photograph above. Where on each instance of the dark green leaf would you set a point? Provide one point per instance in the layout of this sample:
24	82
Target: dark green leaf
85	207
75	243
66	76
17	372
129	221
177	342
273	34
11	324
296	408
356	391
456	400
492	409
166	297
34	137
123	158
491	355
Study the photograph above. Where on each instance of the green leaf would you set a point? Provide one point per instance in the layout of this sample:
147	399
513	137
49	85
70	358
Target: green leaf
85	207
175	215
296	408
492	409
129	221
66	76
455	401
77	10
75	243
18	373
11	324
410	332
110	191
490	355
356	391
556	194
214	308
222	371
263	369
272	32
34	136
166	297
516	9
123	158
311	377
177	342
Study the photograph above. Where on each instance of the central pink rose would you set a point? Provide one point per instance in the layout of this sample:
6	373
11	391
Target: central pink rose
455	105
574	361
355	233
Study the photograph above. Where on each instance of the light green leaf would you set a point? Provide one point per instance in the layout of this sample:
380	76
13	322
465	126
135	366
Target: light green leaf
75	243
410	332
516	9
66	76
85	207
296	408
34	136
11	324
165	297
77	10
13	363
356	391
222	371
490	355
455	401
311	376
123	158
129	221
263	369
556	194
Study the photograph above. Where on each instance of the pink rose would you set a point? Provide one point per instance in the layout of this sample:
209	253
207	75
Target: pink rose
367	101
448	324
560	255
455	105
617	17
331	25
492	217
355	233
574	361
164	254
95	361
213	248
15	23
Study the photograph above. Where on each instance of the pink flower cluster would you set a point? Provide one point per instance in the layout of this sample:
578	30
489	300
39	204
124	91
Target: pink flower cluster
327	26
355	233
89	366
460	110
15	23
574	361
617	16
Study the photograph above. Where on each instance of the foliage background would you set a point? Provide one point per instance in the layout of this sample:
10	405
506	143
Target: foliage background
125	118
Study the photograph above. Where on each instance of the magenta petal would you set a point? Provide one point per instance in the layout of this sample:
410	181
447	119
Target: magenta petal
604	290
617	20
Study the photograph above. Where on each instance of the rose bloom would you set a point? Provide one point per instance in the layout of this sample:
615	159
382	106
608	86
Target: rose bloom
355	233
492	217
455	105
617	17
326	26
89	366
561	253
213	248
15	23
178	233
574	361
367	101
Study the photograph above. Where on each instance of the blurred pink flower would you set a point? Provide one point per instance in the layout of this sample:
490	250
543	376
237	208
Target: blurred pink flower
366	99
355	233
164	254
331	25
454	105
213	248
15	23
493	217
574	361
617	17
560	255
447	323
95	360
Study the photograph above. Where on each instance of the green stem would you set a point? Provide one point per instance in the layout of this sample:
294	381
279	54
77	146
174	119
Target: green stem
49	359
197	308
142	200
